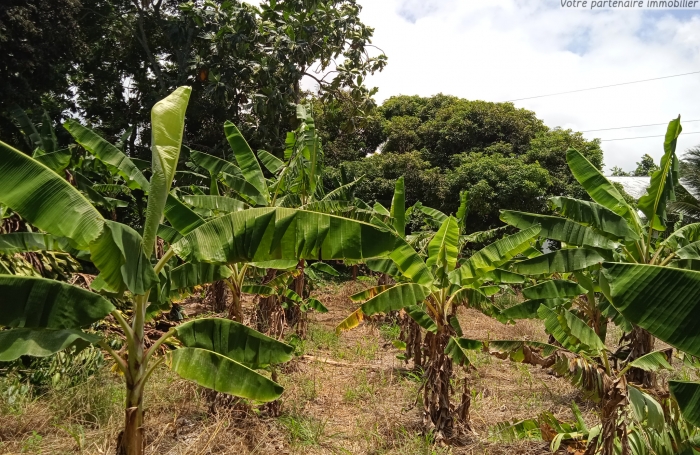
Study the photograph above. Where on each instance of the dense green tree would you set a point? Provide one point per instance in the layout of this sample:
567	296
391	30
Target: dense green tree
617	171
423	182
496	182
244	62
548	148
645	167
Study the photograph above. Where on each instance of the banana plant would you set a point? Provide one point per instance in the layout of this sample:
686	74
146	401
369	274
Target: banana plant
608	228
631	420
432	301
664	301
45	316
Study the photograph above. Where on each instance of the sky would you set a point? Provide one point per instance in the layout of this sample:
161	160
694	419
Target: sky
500	50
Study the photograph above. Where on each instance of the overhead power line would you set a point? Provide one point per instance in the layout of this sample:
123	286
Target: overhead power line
603	86
642	137
636	126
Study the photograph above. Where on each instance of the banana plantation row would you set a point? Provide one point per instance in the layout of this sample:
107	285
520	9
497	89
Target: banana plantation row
269	218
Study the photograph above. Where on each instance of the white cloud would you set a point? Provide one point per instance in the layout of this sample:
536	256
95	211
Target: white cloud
498	50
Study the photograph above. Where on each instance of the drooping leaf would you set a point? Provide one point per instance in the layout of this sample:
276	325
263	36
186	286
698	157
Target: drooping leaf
386	266
325	268
663	300
398	207
245	190
19	242
316	305
167	124
46	200
119	255
246	159
369	293
553	289
190	274
168	234
646	409
40	303
258	289
595	215
436	215
557	228
652	361
27	126
458	348
380	209
182	219
570	330
218	203
661	189
40	343
690	251
528	309
395	298
562	261
503	277
235	341
114	158
422	318
220	373
350	322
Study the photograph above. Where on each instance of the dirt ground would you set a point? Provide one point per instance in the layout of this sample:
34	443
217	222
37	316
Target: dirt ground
345	394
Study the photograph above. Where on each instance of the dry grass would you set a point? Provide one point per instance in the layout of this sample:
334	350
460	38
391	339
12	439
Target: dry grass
326	409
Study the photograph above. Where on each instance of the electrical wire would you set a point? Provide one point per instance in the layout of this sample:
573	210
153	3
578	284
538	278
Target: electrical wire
643	137
602	86
636	126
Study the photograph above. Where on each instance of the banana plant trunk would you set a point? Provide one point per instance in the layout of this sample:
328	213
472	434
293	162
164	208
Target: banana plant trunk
295	317
131	440
437	412
218	296
641	343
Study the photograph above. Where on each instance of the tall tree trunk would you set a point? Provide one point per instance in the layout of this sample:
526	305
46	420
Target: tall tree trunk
641	343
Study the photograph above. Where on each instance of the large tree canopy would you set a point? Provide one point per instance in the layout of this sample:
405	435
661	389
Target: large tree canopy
244	62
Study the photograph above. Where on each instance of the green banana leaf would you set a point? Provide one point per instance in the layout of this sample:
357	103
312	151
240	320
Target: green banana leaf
494	255
27	126
220	373
270	161
114	158
594	215
443	250
458	348
663	300
398	207
661	189
119	255
690	251
235	341
557	228
654	361
316	305
218	203
19	242
395	298
570	331
213	164
167	128
189	275
422	318
528	309
561	261
245	190
40	303
57	161
40	343
599	188
262	234
181	218
168	234
553	289
687	394
325	268
503	277
46	200
246	159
